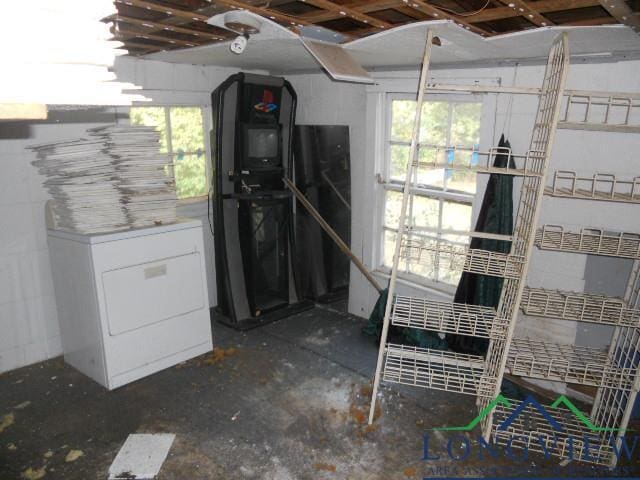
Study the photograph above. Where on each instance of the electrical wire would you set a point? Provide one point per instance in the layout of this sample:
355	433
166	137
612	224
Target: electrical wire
463	14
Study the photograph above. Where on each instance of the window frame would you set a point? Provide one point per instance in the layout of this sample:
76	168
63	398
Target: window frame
206	144
431	192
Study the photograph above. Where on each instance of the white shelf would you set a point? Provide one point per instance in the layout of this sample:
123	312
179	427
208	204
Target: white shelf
436	369
590	241
530	164
566	363
447	317
532	431
601	186
616	112
460	257
581	307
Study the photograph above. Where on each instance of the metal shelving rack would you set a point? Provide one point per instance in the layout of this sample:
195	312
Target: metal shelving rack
443	370
614	372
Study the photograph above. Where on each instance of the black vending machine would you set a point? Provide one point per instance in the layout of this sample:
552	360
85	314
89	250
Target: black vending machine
251	141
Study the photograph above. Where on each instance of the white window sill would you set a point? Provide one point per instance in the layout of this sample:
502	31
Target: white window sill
439	289
193	207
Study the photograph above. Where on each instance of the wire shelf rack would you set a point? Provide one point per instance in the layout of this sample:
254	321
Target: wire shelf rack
581	307
566	363
532	431
531	164
597	111
600	186
590	240
436	369
447	317
461	257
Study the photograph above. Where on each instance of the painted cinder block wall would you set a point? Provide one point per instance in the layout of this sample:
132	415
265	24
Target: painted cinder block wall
28	321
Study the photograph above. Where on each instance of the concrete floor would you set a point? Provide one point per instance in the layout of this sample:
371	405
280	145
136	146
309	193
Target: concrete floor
288	403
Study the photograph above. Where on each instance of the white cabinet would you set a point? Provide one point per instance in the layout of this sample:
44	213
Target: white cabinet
131	303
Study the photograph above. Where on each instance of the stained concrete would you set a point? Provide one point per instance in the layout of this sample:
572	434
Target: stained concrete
286	401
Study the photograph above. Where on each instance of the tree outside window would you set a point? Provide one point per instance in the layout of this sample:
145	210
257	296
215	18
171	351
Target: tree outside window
182	137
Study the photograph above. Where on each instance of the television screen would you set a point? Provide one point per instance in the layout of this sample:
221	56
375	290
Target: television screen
262	142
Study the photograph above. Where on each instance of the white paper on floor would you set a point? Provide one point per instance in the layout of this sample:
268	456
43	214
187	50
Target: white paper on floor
141	456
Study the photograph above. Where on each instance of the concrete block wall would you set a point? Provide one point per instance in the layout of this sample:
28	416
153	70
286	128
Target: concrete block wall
28	321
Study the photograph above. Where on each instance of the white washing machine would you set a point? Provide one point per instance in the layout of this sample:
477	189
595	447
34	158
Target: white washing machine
131	303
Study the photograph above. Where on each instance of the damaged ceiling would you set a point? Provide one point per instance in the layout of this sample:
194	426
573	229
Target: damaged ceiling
148	26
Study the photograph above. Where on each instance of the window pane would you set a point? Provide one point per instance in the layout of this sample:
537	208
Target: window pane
434	123
191	179
456	216
151	117
399	159
187	133
426	212
432	177
403	114
425	266
465	124
389	247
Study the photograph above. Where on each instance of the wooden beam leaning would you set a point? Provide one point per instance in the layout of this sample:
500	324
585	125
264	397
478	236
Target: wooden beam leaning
619	10
331	232
527	11
164	26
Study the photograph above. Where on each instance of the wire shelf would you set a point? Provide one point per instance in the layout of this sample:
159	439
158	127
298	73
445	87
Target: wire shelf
590	240
460	257
600	111
581	307
566	363
531	164
447	317
530	430
600	186
436	369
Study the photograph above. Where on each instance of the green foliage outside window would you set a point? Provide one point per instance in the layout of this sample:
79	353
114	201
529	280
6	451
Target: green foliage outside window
185	144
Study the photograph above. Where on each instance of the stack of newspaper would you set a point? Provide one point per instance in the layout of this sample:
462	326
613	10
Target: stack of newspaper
114	179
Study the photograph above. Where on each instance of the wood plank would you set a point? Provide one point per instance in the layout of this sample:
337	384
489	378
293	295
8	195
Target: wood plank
164	26
367	7
23	111
438	14
525	10
145	46
542	6
348	12
590	22
175	12
123	34
265	12
619	10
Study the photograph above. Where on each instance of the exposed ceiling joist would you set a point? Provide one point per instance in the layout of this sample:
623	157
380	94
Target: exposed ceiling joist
192	16
175	19
124	34
164	26
438	14
267	13
525	10
622	12
542	6
345	11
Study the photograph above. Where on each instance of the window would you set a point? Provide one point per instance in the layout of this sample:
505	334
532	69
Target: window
443	198
182	137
